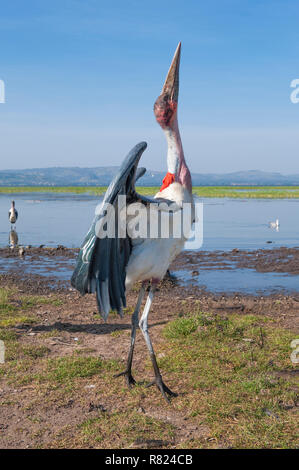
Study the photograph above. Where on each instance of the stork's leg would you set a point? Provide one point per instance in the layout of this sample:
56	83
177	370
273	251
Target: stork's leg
144	328
128	372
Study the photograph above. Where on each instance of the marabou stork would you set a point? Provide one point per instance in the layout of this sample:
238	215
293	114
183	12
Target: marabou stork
110	266
12	214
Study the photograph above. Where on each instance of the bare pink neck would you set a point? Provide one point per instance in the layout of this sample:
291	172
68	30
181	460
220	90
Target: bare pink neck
183	175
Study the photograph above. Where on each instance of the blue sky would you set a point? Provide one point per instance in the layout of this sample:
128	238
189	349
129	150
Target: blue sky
81	77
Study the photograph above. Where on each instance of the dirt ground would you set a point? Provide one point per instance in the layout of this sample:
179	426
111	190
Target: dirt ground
40	416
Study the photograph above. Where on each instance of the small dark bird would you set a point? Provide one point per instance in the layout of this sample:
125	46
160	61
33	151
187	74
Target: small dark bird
12	214
22	251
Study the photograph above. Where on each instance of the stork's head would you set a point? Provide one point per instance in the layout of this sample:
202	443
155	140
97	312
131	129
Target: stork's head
12	203
165	107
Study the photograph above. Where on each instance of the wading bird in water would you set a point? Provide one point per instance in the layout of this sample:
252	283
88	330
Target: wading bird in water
12	214
111	266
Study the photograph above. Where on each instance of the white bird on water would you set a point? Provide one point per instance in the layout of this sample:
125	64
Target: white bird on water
12	214
274	225
110	266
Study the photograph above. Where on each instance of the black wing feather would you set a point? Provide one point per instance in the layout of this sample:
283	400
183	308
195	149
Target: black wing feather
101	263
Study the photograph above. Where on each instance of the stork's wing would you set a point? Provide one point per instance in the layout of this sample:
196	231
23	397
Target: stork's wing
139	173
101	263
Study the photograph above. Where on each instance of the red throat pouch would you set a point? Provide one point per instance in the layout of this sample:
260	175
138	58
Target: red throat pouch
167	180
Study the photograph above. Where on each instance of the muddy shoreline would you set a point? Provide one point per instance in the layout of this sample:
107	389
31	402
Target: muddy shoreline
18	262
278	260
282	259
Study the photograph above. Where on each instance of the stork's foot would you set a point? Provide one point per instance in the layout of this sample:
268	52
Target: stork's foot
128	376
166	392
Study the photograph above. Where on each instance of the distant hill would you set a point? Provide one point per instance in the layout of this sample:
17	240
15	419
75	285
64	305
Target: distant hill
101	176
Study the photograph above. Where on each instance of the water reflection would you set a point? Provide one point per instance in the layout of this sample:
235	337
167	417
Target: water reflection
274	225
13	239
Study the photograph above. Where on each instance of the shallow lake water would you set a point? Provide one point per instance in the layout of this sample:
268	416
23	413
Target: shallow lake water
245	281
48	219
63	219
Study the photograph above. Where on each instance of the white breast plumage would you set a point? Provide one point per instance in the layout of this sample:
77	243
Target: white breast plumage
151	257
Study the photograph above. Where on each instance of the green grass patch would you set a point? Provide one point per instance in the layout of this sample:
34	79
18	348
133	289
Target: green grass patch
117	333
28	364
35	352
13	307
51	334
16	352
29	301
184	326
120	430
11	313
65	369
231	368
233	374
15	311
7	335
5	305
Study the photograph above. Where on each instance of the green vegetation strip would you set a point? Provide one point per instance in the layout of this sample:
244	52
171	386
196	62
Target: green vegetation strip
241	192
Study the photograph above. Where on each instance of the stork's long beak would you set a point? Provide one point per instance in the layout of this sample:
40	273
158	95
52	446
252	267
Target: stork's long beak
171	85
